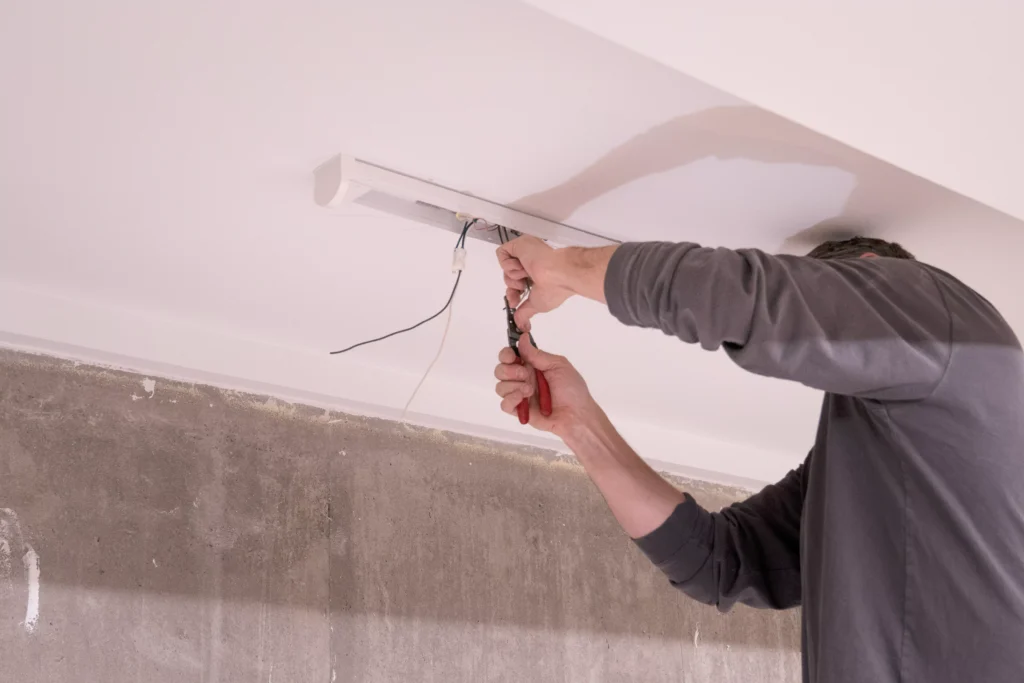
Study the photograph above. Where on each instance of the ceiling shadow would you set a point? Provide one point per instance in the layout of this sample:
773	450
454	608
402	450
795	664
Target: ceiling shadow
883	194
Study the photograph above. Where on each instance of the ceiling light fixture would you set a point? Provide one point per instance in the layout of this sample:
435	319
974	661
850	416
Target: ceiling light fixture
345	179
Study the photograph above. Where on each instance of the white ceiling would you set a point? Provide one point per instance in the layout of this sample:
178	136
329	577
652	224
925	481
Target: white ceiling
156	208
933	86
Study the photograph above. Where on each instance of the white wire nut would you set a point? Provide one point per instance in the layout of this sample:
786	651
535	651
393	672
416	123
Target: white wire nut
458	260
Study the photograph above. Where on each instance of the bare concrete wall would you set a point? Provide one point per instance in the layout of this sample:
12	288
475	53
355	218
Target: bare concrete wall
186	533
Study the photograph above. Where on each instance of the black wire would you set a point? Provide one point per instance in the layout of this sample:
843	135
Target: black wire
461	242
408	329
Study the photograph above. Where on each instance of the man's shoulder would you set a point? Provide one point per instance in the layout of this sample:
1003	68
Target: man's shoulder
973	318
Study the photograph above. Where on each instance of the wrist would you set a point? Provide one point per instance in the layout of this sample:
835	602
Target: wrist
585	429
564	267
581	270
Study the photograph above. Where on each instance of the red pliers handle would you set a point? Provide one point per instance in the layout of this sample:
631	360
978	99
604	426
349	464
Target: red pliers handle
543	390
543	396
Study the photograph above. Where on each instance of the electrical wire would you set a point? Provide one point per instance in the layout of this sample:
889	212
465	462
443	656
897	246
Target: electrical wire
503	237
459	244
444	335
437	356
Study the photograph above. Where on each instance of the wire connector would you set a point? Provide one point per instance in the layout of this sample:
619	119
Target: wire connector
458	260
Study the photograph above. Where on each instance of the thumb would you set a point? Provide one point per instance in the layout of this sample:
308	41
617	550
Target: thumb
542	360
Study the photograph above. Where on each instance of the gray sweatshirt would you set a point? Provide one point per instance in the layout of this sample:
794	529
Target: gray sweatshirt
902	533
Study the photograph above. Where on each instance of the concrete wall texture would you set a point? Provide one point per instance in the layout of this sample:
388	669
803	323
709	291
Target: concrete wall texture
189	533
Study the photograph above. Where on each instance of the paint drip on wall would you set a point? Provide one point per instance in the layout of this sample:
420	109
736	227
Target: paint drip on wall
16	586
31	561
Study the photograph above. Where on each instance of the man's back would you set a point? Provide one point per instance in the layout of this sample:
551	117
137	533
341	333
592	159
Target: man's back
913	523
908	514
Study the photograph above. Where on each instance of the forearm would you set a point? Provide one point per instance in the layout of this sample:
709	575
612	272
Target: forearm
582	270
639	498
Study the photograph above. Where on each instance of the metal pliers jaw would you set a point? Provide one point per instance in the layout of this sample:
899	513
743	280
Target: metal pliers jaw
543	391
514	333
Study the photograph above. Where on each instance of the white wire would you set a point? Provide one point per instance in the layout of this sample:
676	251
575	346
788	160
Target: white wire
440	350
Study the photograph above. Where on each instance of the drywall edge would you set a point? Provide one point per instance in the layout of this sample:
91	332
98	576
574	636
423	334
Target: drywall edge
136	341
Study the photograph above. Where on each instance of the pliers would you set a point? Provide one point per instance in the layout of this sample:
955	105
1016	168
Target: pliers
543	390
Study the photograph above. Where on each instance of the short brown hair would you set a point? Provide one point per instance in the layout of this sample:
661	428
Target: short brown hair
855	247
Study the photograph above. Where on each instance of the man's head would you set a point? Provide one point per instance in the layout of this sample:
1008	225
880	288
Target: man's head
859	247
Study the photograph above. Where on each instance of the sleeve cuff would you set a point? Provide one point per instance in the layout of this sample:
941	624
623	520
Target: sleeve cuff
616	282
662	545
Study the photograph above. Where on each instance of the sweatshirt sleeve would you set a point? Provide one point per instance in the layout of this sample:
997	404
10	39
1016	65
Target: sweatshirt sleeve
873	328
749	552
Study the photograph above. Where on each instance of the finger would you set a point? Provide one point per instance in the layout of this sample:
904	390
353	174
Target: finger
542	360
512	283
505	388
513	267
510	265
507	372
509	250
516	273
509	403
507	355
513	297
523	314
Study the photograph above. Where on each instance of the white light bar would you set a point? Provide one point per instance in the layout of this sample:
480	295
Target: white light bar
344	179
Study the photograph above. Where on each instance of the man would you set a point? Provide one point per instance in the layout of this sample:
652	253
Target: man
902	533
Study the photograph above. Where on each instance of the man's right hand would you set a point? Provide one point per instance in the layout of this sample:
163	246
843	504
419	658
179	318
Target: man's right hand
571	403
557	274
529	257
